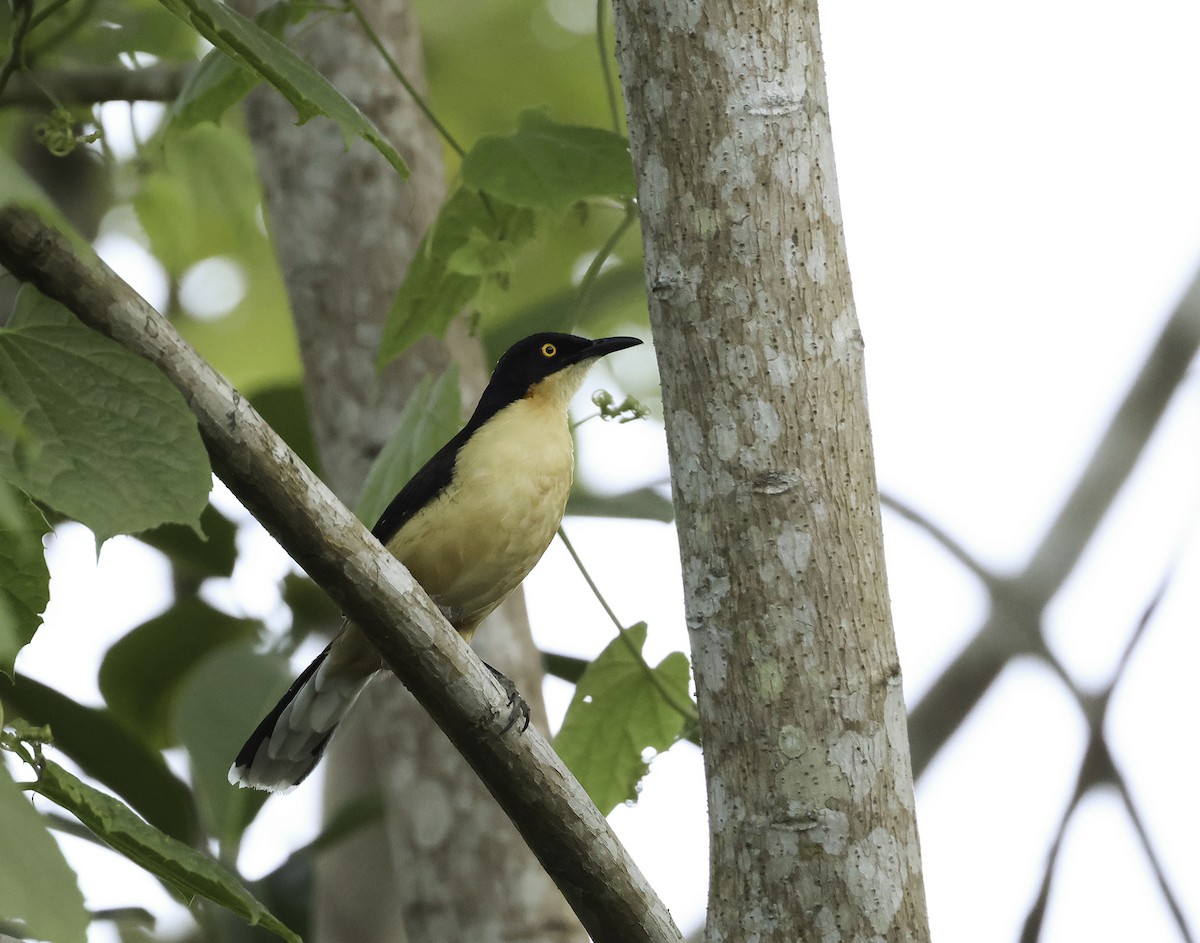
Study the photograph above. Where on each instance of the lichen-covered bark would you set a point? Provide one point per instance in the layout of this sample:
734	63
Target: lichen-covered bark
810	791
345	228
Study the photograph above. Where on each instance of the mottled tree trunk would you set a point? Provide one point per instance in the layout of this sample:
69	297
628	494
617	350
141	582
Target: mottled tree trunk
446	864
802	713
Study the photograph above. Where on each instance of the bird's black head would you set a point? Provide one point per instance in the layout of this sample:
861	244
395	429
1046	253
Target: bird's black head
540	356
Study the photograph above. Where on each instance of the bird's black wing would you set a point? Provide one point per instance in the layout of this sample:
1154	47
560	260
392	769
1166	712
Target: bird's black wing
429	481
433	477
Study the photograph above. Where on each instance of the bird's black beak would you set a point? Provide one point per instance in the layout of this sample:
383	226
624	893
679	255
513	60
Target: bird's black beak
605	346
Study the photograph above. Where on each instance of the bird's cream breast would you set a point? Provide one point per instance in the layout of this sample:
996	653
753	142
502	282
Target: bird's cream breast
481	536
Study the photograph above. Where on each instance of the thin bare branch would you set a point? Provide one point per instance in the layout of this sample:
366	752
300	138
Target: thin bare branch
942	537
1032	928
1140	629
1160	875
159	83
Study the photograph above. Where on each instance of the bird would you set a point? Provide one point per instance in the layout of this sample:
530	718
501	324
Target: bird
469	525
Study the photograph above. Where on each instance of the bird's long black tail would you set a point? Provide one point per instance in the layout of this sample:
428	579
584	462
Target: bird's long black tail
287	744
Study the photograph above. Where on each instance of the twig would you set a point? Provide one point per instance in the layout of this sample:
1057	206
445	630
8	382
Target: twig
394	66
610	89
686	710
1032	928
597	263
82	12
1117	779
22	15
1155	866
940	536
46	12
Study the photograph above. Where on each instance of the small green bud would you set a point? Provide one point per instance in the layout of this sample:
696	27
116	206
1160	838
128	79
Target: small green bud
627	410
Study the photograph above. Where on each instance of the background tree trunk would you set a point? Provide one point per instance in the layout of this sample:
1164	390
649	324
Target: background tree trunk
802	712
447	864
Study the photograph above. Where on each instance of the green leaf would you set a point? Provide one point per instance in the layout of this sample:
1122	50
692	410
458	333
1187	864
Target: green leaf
164	208
142	673
617	298
209	203
110	441
482	255
567	667
24	577
218	705
312	609
617	713
217	85
195	558
182	867
221	82
108	753
309	92
200	197
547	165
433	292
38	889
10	422
17	186
430	418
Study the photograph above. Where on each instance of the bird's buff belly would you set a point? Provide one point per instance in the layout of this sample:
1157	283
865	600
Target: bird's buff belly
481	537
469	568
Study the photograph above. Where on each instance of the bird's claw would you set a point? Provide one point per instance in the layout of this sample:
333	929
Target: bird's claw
519	706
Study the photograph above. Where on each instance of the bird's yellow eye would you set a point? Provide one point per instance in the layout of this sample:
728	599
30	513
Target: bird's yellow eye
549	350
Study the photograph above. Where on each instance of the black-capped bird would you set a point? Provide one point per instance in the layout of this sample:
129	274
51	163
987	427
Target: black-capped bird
469	526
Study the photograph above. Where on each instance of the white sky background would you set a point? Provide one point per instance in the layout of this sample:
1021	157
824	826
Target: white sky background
1022	202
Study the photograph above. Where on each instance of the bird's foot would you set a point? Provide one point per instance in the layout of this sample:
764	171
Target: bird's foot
519	706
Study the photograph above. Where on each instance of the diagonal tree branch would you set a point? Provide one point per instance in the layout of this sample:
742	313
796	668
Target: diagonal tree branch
561	825
160	82
1014	625
1119	450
